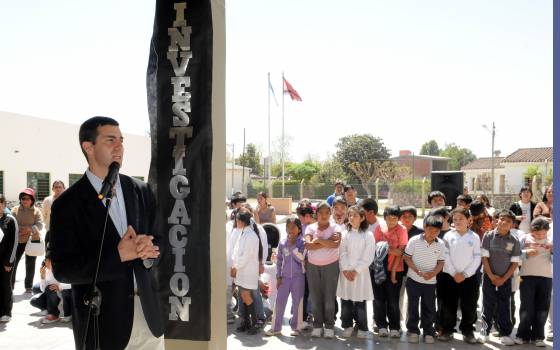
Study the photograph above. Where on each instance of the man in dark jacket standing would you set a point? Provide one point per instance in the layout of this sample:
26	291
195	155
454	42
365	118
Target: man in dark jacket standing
130	313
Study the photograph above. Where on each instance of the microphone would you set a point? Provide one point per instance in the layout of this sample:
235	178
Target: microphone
109	181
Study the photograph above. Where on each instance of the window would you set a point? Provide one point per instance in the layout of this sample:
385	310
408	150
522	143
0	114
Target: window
2	182
73	178
41	183
141	178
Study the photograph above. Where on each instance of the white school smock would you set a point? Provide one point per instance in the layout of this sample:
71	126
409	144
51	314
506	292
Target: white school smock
246	259
357	250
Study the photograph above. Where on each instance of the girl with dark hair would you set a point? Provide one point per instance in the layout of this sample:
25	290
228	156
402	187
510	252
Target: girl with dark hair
245	269
290	279
544	208
321	241
357	249
265	213
523	209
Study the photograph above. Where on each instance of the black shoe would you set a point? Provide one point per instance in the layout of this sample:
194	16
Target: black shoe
470	339
250	309
445	337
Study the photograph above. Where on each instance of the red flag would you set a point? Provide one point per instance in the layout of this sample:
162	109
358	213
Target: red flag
290	90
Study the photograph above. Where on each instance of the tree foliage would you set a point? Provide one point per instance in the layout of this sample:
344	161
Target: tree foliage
459	156
359	149
251	159
303	171
430	148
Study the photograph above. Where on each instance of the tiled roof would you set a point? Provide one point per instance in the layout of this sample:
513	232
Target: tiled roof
524	155
484	163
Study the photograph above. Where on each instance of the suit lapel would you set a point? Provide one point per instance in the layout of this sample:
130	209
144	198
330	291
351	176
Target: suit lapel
94	205
131	203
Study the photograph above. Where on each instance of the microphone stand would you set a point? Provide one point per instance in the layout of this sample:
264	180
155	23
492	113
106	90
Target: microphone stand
93	300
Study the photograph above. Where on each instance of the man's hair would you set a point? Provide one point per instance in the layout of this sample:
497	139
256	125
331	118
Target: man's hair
434	221
2	198
88	130
58	182
460	210
464	198
409	209
506	213
392	210
369	204
348	188
238	197
338	200
539	224
304	207
477	208
441	211
434	194
525	188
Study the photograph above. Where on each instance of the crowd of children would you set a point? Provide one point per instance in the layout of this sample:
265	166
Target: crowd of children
335	254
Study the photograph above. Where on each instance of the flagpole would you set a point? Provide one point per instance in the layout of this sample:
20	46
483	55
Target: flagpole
283	144
269	156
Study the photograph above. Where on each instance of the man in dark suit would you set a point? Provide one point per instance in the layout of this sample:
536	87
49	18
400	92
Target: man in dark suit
130	313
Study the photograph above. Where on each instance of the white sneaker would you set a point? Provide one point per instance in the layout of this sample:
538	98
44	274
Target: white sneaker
43	313
347	333
395	334
484	339
66	319
5	318
317	332
507	341
329	333
550	336
519	341
362	334
540	343
383	332
271	332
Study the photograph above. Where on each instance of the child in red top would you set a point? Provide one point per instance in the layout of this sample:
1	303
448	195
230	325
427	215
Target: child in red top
386	294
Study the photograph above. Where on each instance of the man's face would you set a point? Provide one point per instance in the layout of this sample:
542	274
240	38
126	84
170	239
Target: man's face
504	225
58	189
339	189
407	219
350	195
437	202
2	207
430	233
108	147
339	211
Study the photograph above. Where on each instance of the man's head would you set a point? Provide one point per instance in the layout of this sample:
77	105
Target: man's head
391	215
339	208
58	187
506	219
432	227
350	194
464	201
371	208
101	142
237	199
339	188
408	216
2	204
436	199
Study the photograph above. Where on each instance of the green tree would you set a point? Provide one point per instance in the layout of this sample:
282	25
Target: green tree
430	148
459	156
330	172
358	149
303	171
251	159
276	169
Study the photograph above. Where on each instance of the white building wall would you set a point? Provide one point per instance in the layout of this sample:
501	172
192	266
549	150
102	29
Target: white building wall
238	184
41	145
515	177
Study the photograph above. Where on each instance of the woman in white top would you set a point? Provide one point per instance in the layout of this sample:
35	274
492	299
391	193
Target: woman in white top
247	255
357	249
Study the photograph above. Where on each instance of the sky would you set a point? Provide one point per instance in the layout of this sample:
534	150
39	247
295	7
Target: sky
405	71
